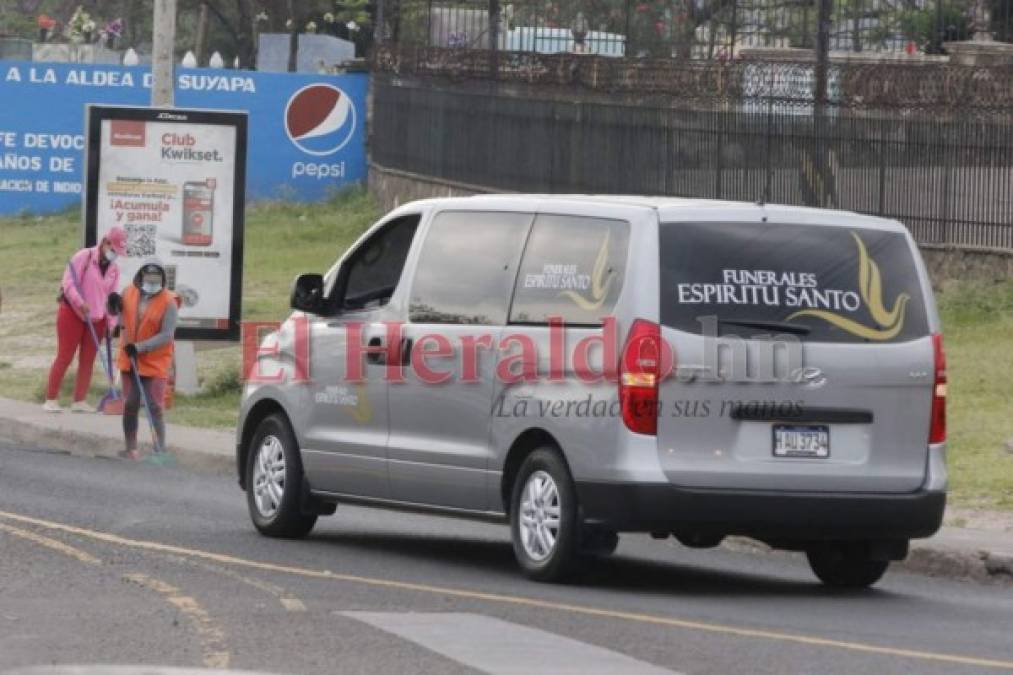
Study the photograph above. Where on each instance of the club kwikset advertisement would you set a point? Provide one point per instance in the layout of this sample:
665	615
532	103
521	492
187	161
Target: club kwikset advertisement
173	180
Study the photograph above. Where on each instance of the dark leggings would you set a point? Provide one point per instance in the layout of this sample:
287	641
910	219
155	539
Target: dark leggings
154	389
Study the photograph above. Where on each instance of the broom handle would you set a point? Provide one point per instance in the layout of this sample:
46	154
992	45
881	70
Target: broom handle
144	401
109	358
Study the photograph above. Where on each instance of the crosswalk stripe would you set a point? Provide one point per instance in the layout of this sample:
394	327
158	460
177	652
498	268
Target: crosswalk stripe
499	647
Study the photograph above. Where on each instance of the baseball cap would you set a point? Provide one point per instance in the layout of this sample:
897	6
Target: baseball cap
118	239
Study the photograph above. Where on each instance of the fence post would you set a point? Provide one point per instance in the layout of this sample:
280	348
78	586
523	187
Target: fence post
822	51
733	32
822	176
882	167
768	176
494	38
719	156
429	24
948	161
667	186
380	28
628	50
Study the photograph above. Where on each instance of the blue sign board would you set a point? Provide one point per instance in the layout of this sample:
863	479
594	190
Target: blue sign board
306	132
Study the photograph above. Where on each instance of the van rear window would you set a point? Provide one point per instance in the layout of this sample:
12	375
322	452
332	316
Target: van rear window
826	284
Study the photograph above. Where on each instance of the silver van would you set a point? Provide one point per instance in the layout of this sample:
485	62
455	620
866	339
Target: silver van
583	366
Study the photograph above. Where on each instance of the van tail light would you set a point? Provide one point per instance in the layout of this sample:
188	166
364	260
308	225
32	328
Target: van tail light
640	369
937	427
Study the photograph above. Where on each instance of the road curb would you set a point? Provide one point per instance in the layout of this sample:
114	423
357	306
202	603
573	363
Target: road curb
949	563
87	444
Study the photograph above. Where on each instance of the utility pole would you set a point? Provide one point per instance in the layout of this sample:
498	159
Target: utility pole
293	38
820	172
163	85
378	31
822	51
163	54
494	17
201	46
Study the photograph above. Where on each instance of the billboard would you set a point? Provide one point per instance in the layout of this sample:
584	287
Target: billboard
174	180
306	132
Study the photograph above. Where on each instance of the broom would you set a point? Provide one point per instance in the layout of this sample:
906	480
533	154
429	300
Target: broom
112	402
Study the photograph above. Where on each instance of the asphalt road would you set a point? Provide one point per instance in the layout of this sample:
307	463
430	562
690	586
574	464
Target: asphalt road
107	561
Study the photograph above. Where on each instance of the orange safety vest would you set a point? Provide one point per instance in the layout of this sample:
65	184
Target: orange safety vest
157	362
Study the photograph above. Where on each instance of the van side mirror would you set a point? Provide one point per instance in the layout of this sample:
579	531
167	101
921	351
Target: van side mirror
308	293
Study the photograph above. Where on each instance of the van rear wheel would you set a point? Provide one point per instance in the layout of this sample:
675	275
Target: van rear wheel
846	565
543	517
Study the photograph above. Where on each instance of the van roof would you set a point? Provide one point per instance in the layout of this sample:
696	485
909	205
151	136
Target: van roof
671	209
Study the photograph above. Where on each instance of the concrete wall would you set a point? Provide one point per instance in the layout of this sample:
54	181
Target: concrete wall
74	53
393	187
15	49
949	264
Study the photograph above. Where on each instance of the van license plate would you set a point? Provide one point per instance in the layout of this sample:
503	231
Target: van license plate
801	441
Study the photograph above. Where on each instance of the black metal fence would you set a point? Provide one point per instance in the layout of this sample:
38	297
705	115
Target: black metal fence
949	178
699	29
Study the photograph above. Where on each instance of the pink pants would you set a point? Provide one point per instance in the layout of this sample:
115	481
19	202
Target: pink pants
72	336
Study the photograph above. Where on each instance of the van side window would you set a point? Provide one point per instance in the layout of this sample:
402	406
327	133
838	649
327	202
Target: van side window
467	267
372	272
573	267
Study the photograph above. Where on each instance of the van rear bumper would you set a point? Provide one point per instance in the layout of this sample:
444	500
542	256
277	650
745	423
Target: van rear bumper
784	516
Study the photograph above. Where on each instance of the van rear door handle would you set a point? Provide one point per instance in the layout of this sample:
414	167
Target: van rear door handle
406	351
376	357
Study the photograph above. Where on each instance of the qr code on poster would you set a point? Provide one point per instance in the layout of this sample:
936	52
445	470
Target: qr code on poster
140	239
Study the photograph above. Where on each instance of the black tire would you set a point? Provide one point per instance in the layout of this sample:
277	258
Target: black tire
563	560
846	565
288	521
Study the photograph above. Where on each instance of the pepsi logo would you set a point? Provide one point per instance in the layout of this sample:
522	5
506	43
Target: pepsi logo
320	119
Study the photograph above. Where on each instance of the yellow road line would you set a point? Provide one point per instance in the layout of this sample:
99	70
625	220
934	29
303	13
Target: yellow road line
584	610
288	601
211	635
66	549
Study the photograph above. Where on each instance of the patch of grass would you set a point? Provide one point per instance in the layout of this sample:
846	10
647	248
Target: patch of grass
217	411
284	239
978	334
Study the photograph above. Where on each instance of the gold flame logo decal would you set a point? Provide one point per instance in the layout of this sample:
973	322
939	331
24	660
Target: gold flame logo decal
870	287
362	411
601	281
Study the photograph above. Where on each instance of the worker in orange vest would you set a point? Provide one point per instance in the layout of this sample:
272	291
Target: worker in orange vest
148	324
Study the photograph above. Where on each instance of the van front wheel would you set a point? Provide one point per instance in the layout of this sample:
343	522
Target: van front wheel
274	480
543	517
845	565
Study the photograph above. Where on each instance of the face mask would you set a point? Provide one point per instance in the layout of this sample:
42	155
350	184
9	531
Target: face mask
110	255
151	287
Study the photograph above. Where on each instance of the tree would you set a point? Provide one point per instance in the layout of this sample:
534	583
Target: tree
18	17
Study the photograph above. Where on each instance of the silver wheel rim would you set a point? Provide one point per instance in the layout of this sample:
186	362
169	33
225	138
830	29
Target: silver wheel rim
539	516
269	476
